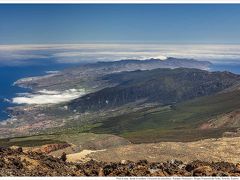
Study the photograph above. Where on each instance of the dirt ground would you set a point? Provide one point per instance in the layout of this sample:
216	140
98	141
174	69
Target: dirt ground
223	149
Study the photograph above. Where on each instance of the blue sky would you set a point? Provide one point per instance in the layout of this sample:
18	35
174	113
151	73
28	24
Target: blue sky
34	24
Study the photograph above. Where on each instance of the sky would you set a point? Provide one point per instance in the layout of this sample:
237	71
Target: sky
122	23
75	33
56	33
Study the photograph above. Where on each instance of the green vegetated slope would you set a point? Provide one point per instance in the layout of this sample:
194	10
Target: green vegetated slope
185	98
78	140
179	122
29	141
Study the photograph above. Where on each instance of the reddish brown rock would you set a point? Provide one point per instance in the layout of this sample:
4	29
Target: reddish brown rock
15	162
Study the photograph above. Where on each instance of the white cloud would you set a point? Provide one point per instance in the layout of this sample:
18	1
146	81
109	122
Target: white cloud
48	97
75	53
52	72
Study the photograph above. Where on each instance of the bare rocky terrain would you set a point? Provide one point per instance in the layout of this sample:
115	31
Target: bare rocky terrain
16	162
222	149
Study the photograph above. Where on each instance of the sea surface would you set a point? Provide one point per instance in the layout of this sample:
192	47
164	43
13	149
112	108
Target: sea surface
234	68
8	75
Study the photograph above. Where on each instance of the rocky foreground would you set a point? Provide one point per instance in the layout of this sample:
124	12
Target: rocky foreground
16	162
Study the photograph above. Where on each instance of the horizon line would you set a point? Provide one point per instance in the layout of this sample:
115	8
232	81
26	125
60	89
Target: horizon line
124	42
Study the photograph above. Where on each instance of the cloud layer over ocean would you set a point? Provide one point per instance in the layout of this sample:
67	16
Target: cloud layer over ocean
77	53
48	97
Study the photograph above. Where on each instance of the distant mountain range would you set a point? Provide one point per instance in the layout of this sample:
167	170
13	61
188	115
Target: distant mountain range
88	75
147	64
163	86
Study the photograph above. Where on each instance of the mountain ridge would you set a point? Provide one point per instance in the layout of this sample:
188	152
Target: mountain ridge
88	74
165	86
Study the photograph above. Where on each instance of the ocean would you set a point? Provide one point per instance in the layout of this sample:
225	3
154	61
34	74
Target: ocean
234	68
8	75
